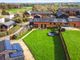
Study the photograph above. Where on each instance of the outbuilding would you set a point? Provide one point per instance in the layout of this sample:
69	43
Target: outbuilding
7	25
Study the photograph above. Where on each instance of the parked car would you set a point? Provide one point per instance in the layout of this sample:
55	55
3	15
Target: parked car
51	34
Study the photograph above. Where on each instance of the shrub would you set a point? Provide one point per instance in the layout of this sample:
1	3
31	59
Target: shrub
4	12
62	29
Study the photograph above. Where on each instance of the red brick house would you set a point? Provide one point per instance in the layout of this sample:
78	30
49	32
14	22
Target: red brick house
74	22
48	22
41	14
52	22
70	11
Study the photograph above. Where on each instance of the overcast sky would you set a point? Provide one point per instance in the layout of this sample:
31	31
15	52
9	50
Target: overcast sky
37	1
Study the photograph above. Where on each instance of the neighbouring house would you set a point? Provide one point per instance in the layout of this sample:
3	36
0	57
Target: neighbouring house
2	20
7	18
10	51
26	14
40	14
48	22
7	25
11	16
74	22
70	11
61	14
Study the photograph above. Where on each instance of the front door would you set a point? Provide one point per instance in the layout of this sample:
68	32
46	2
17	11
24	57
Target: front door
74	25
43	25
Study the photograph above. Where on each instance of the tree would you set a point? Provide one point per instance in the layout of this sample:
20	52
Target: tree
17	19
4	12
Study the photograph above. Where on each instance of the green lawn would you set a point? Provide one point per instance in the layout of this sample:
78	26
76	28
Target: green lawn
19	9
44	47
72	40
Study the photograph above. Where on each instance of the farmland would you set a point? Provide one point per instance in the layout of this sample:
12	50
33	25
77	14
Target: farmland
19	10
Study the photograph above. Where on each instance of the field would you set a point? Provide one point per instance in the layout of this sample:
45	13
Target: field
19	10
72	40
44	47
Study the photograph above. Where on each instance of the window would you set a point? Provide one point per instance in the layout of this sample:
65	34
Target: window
66	23
60	23
50	23
44	25
36	25
41	25
74	25
54	23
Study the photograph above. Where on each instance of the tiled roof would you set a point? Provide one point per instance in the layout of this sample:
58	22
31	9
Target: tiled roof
73	19
35	12
9	23
70	9
59	12
48	20
60	20
55	20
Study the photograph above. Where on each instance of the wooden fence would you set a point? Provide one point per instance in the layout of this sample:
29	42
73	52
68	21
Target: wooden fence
64	46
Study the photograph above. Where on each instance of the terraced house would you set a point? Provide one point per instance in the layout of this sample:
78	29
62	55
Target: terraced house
41	14
48	22
71	11
52	22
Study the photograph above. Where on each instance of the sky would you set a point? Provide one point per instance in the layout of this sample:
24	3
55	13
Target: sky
37	1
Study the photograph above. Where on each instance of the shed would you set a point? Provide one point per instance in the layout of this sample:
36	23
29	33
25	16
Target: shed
9	23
